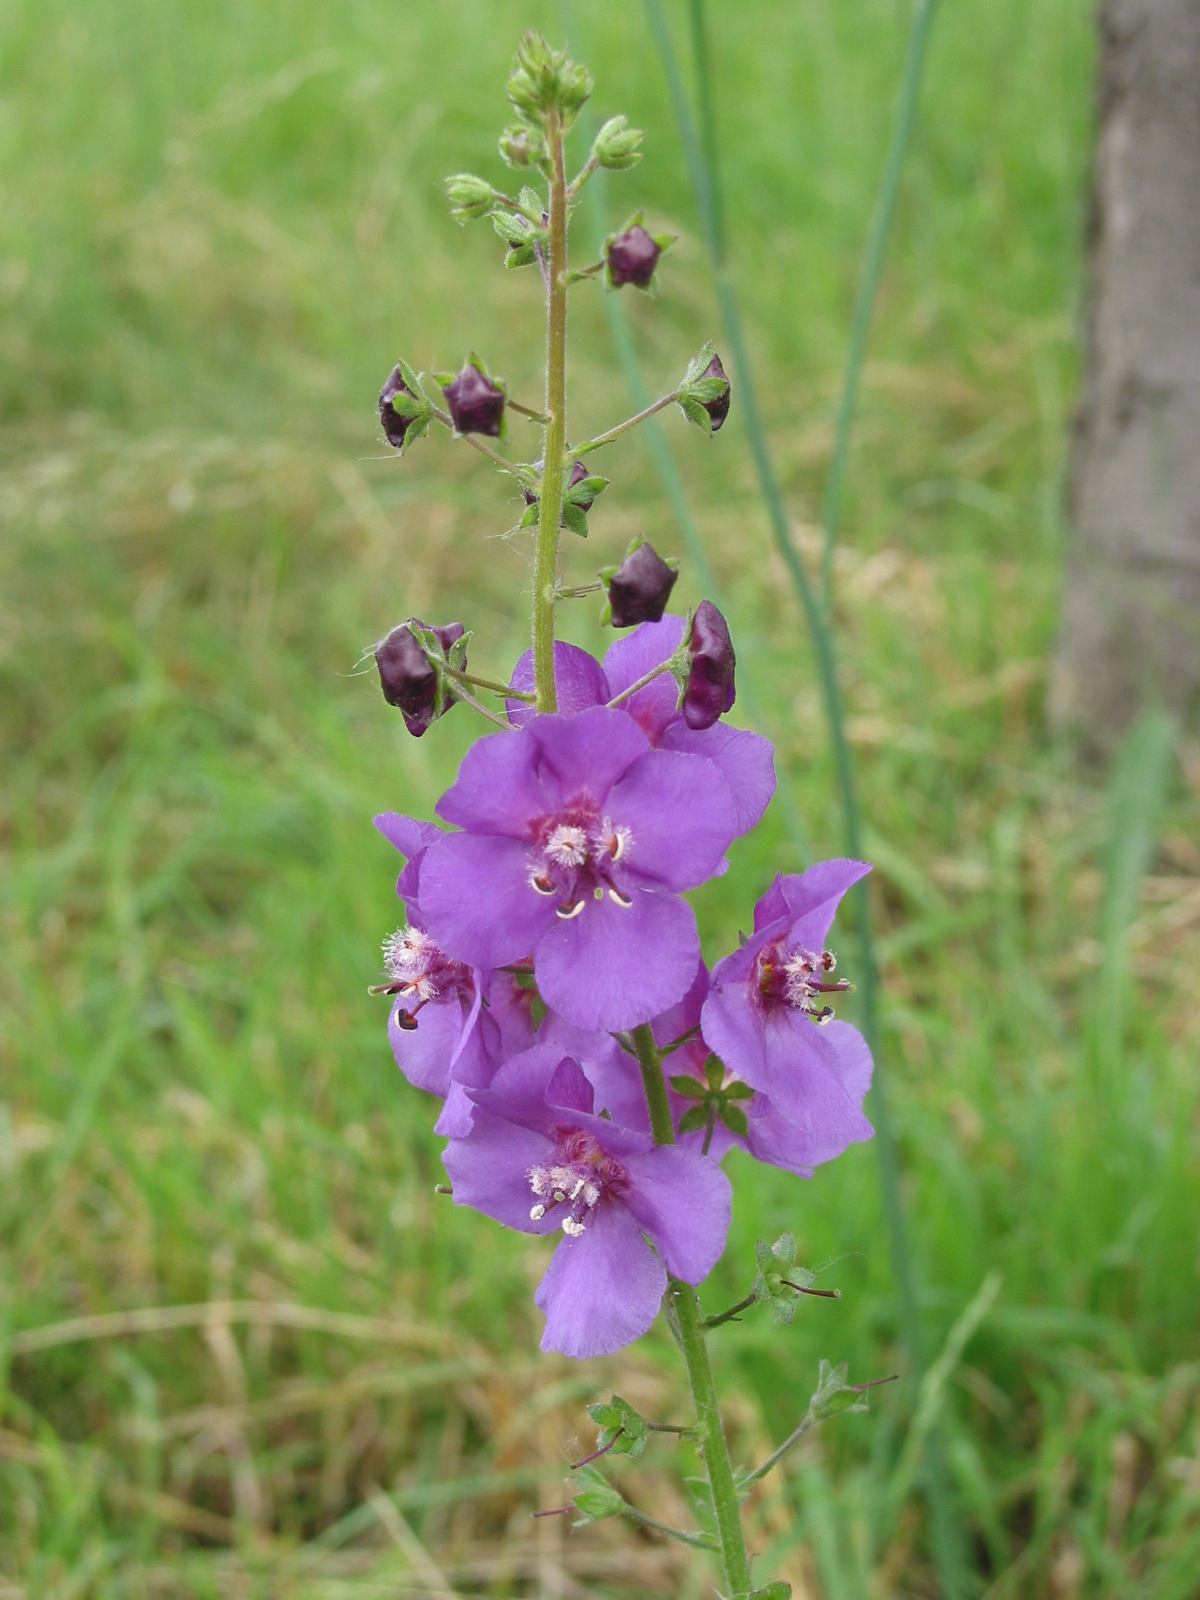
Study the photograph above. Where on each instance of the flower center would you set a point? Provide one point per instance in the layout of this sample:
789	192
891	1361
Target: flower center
418	970
797	979
577	857
578	1178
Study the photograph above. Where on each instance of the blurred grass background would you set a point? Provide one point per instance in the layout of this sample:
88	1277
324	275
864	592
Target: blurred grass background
219	225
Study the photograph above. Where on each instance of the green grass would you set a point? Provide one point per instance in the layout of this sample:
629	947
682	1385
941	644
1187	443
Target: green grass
219	225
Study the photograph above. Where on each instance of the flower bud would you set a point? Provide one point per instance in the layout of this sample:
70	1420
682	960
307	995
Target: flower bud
709	690
616	145
476	403
470	197
522	147
632	257
409	679
394	425
718	409
578	473
639	589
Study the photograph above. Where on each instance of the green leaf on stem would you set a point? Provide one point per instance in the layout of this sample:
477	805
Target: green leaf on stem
574	519
597	1499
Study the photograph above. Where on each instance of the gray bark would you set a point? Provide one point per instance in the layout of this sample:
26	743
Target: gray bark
1131	616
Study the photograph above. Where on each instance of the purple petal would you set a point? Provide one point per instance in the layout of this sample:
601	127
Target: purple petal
804	1077
408	835
517	1092
683	1017
632	657
579	682
603	1290
510	1010
812	898
568	1089
613	1075
424	1056
772	907
685	1204
745	760
585	754
457	1115
489	1170
612	967
733	1026
680	817
497	789
477	900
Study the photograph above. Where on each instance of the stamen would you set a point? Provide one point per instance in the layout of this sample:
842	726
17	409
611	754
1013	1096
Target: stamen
567	845
406	1021
571	1228
536	1213
570	911
577	1190
542	885
617	898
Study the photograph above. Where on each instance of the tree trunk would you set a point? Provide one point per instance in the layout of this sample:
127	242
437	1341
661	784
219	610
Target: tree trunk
1131	616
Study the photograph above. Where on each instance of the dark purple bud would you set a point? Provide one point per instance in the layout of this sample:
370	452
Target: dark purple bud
717	409
632	258
476	403
578	473
409	678
394	425
639	589
709	690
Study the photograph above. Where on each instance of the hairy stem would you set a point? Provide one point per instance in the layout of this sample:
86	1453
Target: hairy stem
689	1324
545	559
634	688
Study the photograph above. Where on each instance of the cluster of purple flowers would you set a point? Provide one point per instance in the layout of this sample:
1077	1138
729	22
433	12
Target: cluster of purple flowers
550	923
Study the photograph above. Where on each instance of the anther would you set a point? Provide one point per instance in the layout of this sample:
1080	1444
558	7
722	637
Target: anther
406	1021
578	1189
571	1228
542	885
823	1016
536	1213
616	846
617	898
570	911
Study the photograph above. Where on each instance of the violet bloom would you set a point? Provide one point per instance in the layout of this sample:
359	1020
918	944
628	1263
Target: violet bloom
408	677
639	589
768	1018
746	760
537	1159
394	425
476	404
577	841
632	257
709	691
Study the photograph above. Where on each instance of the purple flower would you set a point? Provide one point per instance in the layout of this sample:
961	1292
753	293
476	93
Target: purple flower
476	403
577	841
578	473
632	257
746	759
537	1159
412	839
766	1015
639	589
408	677
394	425
709	691
717	409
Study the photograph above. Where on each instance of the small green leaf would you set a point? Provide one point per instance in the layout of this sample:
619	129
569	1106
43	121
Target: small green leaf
739	1091
585	489
699	362
707	389
411	379
574	519
405	405
529	516
523	256
695	412
693	1120
734	1119
597	1499
623	1429
691	1087
714	1071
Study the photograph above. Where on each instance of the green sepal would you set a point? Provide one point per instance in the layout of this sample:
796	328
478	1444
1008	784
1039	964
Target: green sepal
698	363
585	489
739	1091
623	1429
616	145
538	1012
445	693
515	231
524	256
526	981
833	1396
529	516
691	1121
470	197
606	614
597	1499
695	412
690	1088
664	241
574	519
444	379
775	1263
532	205
734	1119
522	146
417	429
714	1072
707	390
407	405
544	81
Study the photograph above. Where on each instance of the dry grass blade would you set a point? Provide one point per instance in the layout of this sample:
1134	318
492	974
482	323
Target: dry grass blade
415	1553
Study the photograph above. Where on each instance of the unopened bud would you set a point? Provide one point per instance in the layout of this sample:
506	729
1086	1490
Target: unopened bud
639	589
709	690
476	403
394	425
578	473
470	197
521	146
409	679
616	145
632	257
718	408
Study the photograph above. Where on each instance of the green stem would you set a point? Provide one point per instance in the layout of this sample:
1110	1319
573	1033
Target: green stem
505	689
728	1316
545	558
635	688
689	1325
624	427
